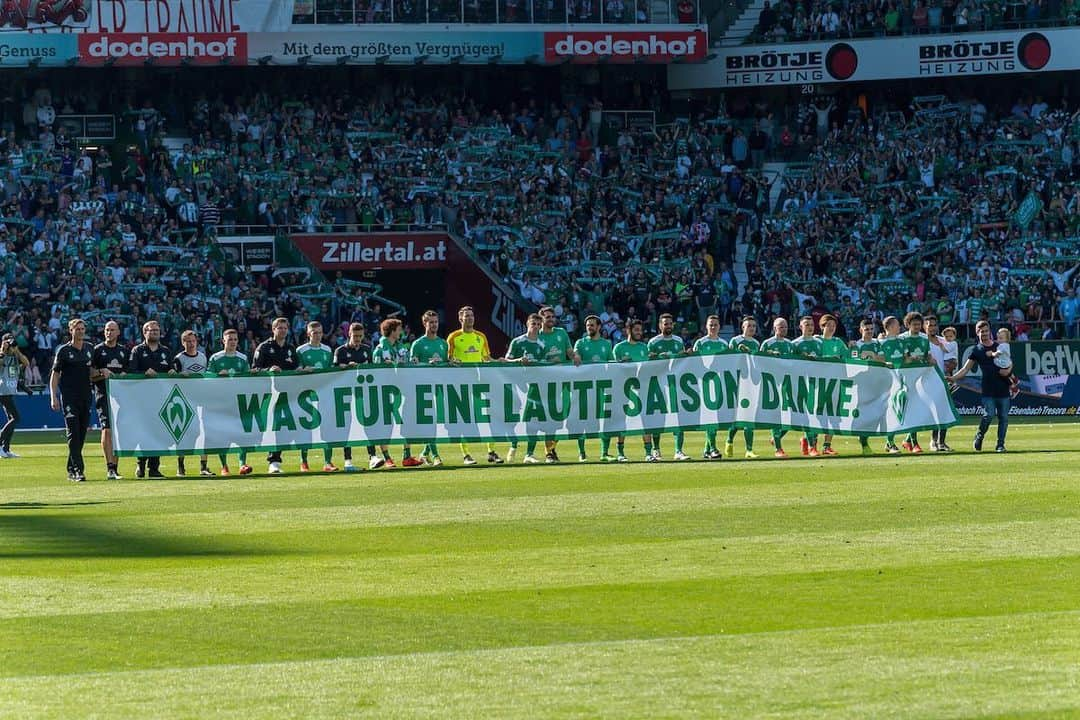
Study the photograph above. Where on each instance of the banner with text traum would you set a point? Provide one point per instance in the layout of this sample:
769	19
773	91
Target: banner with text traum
365	405
891	58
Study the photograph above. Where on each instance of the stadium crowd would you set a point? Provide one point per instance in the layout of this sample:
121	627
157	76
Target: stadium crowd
944	207
786	20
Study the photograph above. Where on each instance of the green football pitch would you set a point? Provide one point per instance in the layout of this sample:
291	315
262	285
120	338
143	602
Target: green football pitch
914	586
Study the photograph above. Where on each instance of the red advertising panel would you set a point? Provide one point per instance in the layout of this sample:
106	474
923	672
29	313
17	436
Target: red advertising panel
374	251
163	48
662	46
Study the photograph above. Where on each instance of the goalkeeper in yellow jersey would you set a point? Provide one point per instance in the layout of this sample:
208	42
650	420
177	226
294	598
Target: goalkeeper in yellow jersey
469	346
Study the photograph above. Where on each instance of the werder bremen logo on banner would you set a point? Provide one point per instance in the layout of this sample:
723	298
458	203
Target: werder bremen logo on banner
899	400
176	413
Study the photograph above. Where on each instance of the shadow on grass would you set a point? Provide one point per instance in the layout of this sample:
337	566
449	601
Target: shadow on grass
35	535
42	505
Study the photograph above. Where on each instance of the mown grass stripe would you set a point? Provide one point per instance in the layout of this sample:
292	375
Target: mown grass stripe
291	579
942	668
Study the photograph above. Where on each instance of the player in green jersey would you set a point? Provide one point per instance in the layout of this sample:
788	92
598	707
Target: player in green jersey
391	350
711	344
808	346
892	348
779	346
666	346
833	348
592	349
430	349
527	349
557	349
866	348
632	349
227	363
314	355
744	343
916	352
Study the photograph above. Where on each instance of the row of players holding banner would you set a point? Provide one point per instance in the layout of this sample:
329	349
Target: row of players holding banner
542	343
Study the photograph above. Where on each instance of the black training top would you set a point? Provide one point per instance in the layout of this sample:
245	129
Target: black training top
993	385
143	359
269	353
345	355
114	359
73	366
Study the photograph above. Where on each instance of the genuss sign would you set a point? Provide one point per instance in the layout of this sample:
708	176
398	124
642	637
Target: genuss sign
371	404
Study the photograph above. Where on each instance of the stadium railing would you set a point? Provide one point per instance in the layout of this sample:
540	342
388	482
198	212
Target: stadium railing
614	12
757	38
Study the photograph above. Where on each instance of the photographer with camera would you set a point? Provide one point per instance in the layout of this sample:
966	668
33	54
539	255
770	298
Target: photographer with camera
12	365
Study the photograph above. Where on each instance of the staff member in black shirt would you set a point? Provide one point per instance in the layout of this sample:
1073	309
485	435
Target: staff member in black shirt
150	358
351	354
995	387
275	355
109	358
70	376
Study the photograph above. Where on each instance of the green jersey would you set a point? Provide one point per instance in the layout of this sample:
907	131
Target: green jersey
807	347
556	345
892	347
708	346
234	364
426	350
314	357
388	353
866	349
916	348
631	351
777	346
593	351
833	347
524	347
741	343
666	347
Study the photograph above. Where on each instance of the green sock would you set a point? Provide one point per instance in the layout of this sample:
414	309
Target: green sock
679	441
530	447
605	445
243	457
303	456
648	448
777	436
406	452
731	434
224	460
890	439
433	450
621	446
386	454
327	455
864	441
748	435
913	438
656	442
581	446
710	439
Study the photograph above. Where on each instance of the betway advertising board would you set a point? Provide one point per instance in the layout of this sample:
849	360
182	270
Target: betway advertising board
922	56
1049	374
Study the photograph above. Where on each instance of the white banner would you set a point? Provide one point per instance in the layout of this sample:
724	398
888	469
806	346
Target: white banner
915	56
172	414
